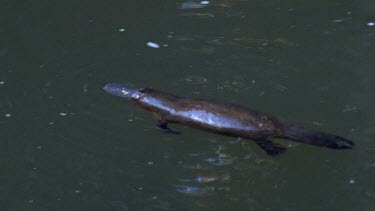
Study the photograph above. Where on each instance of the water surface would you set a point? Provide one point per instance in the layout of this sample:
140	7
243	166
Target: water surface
67	145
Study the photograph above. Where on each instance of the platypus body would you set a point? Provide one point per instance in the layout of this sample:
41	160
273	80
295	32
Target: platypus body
223	118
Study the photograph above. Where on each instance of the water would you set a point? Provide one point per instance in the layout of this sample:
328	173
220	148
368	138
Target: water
67	145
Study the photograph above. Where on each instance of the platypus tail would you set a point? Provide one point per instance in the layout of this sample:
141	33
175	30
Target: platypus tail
303	135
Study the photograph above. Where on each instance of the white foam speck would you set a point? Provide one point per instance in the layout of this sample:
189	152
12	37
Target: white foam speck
205	2
122	30
153	45
8	115
63	114
371	24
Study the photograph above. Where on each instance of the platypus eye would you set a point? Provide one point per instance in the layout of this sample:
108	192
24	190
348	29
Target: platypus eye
136	96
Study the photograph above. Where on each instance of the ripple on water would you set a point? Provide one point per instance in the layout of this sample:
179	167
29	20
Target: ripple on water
195	80
204	178
195	190
209	174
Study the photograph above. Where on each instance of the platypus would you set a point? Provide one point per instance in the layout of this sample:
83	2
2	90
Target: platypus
223	118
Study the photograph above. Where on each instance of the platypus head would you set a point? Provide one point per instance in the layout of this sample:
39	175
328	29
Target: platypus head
120	90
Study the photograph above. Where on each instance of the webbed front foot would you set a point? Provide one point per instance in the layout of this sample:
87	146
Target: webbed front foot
164	128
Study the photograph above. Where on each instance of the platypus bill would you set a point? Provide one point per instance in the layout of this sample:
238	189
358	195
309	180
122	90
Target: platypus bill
223	118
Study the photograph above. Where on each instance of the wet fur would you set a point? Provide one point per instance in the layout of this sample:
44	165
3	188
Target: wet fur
169	108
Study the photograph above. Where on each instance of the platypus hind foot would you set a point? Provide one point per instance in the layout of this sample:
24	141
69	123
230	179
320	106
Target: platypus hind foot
271	148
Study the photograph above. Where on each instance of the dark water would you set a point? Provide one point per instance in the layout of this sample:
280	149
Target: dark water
67	145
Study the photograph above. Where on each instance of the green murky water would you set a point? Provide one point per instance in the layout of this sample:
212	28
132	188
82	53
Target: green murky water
67	145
